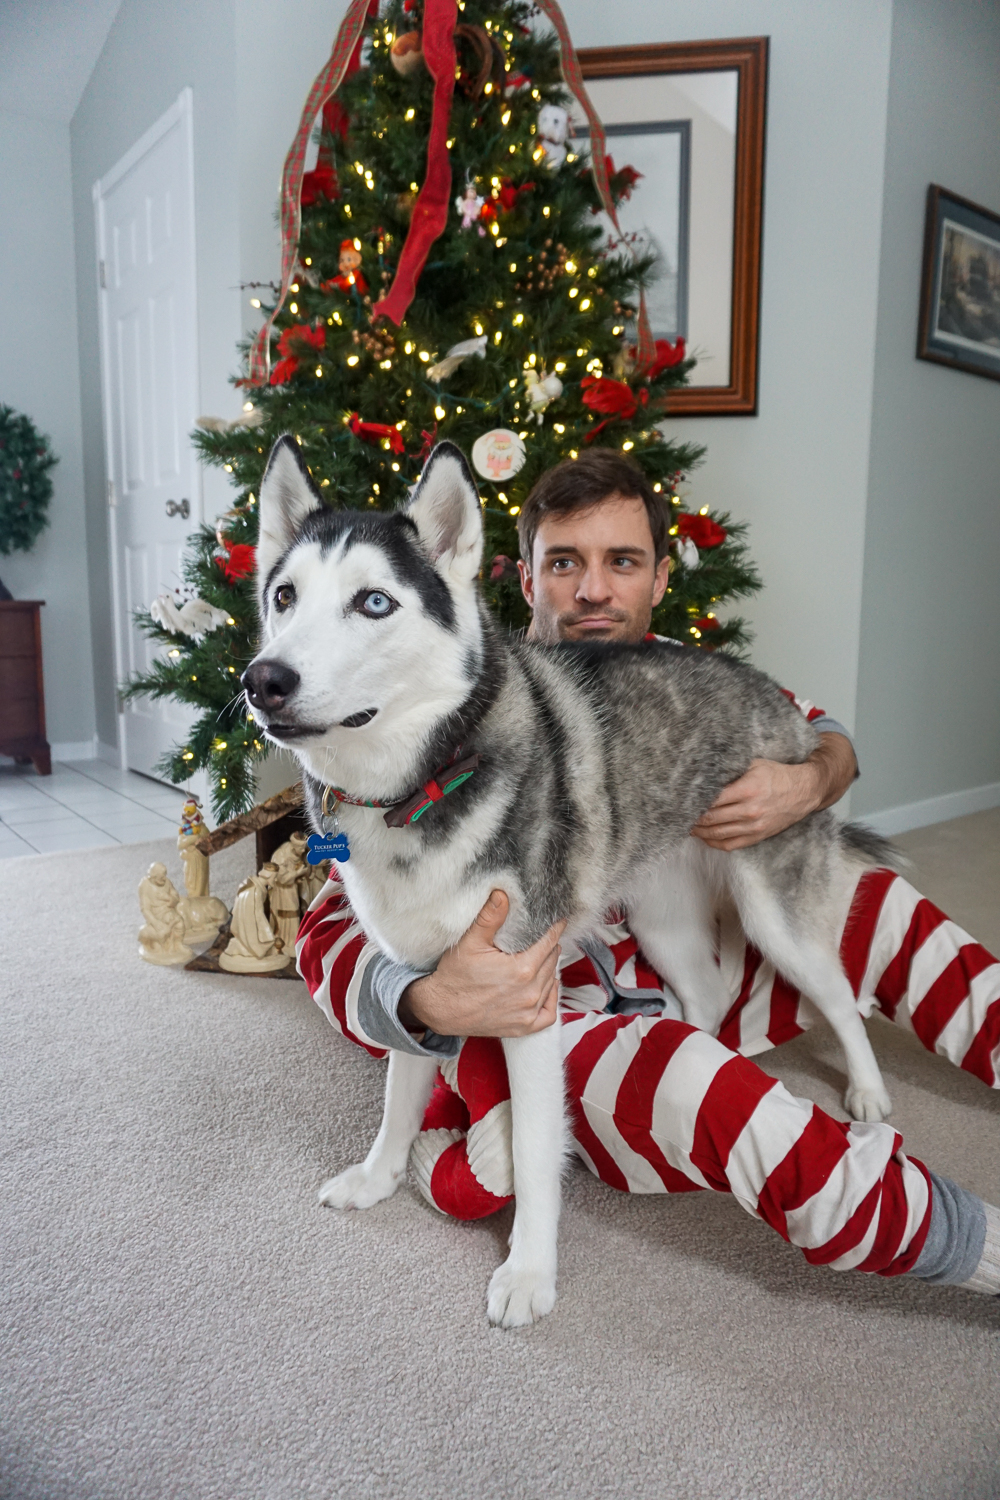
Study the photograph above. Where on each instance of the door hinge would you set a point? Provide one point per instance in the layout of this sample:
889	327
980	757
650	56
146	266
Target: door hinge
112	502
103	274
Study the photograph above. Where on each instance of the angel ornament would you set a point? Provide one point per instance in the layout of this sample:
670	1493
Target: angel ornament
161	937
687	553
541	390
202	913
469	205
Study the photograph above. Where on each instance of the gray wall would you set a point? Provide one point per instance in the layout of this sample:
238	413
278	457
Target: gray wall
39	376
156	48
929	682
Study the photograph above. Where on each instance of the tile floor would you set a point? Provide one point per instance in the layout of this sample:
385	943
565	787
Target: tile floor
82	805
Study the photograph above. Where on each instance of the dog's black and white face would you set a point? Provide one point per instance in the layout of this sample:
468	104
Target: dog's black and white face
370	621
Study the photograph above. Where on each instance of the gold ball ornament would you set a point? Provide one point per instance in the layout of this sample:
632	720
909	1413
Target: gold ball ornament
406	54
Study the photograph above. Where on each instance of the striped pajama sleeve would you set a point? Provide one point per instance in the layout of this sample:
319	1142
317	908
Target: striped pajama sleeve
333	955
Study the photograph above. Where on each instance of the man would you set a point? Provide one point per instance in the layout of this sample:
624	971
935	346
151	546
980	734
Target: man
656	1105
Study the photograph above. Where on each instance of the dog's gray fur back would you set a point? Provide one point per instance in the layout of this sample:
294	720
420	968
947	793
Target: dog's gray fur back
604	757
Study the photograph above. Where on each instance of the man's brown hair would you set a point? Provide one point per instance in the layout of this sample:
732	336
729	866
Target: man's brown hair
579	484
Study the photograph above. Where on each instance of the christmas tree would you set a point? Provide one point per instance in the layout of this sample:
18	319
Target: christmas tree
446	275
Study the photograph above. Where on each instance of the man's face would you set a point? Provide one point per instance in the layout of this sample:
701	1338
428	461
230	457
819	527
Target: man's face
593	574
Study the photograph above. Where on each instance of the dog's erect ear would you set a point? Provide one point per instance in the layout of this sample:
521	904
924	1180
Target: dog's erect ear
287	496
448	515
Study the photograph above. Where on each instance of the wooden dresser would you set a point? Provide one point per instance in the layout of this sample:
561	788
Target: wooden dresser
22	694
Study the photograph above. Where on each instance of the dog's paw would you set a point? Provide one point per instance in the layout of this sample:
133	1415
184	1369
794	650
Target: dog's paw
868	1103
519	1295
358	1187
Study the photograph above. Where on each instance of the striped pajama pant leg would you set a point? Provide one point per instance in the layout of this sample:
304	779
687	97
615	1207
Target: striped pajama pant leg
657	1106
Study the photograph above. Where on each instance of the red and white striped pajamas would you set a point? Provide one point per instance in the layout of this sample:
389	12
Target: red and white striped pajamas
658	1106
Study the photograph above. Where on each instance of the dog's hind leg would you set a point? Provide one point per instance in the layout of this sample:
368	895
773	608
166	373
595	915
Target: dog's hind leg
407	1090
523	1289
672	918
817	971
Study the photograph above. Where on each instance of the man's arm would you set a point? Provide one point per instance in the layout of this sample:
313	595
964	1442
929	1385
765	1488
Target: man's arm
476	990
772	795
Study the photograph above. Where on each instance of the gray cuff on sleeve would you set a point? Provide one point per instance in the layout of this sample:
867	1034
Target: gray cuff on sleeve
956	1234
827	725
382	986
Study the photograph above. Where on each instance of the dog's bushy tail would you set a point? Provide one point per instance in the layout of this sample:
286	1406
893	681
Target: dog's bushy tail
860	840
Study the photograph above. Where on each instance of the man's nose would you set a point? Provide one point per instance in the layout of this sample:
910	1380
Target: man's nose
269	684
594	587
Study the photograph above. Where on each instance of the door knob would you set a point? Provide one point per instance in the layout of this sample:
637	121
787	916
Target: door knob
180	508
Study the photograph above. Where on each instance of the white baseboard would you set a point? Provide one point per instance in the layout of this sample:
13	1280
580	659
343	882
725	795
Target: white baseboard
933	810
74	749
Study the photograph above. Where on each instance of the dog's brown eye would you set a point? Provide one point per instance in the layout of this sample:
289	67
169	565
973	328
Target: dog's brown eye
284	596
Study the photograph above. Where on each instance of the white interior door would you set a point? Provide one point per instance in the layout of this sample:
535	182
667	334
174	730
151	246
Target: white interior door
146	250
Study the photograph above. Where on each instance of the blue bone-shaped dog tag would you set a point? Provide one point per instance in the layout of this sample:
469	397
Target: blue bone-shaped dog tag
322	846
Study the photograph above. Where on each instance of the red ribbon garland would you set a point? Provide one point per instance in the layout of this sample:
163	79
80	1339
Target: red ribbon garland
430	212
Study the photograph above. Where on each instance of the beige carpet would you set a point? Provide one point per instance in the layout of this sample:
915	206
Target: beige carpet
180	1319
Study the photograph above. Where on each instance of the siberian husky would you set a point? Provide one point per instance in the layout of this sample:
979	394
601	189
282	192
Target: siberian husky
381	668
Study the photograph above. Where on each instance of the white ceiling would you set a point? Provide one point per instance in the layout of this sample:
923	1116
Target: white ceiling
48	49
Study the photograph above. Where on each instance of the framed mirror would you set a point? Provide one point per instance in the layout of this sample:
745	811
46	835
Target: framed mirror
690	118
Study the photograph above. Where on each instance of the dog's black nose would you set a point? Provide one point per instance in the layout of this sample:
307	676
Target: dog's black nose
269	684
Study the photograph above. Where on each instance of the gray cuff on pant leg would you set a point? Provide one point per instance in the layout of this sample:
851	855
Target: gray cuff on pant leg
953	1249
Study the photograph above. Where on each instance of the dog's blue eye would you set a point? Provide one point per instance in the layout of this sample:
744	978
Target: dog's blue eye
377	604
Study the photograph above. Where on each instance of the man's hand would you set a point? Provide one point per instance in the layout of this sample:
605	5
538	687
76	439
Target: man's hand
772	796
476	990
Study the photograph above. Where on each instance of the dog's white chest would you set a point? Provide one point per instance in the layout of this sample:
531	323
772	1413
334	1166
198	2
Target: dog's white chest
414	900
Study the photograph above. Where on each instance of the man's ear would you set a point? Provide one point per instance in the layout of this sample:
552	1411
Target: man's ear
287	496
448	515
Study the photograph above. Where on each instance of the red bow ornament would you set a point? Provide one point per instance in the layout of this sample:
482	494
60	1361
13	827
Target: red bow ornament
614	398
376	432
242	560
622	180
701	530
292	345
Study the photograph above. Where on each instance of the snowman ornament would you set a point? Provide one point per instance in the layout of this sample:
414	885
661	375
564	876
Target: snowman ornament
553	123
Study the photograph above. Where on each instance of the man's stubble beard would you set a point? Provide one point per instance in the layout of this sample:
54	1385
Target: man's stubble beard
548	630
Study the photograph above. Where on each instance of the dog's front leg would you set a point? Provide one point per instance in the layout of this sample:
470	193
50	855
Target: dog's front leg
407	1090
523	1289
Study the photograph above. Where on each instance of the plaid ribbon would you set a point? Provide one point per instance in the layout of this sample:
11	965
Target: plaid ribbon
573	78
326	84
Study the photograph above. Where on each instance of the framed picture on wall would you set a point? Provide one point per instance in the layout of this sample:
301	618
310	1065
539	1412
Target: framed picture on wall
690	118
960	287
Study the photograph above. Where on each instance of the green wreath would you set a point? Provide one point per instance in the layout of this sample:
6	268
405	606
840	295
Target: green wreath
25	485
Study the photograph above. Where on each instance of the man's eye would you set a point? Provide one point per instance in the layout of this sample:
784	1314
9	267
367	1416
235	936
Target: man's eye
375	603
624	562
284	596
562	565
